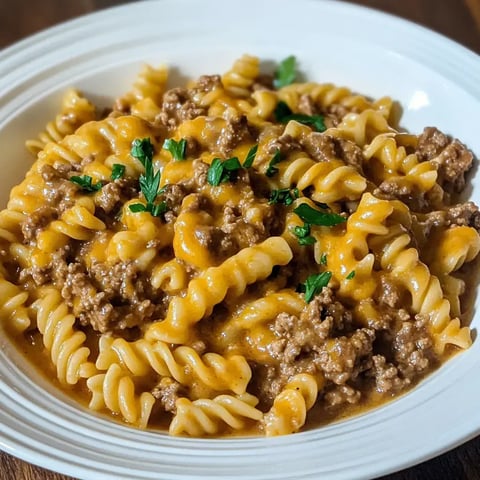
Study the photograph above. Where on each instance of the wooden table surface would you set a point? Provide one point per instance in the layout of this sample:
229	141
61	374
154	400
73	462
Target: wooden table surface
457	19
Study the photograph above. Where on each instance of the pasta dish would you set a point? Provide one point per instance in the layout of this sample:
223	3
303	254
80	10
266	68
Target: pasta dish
246	254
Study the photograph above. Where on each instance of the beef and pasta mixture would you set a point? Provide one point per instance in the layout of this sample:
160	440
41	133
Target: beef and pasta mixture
244	254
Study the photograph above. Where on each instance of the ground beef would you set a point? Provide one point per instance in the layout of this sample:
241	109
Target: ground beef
198	179
168	391
306	105
59	191
108	298
462	214
336	395
324	342
235	132
178	106
302	346
417	201
36	221
412	347
233	231
336	112
285	144
389	293
174	195
386	375
207	83
264	81
343	358
323	147
112	195
453	157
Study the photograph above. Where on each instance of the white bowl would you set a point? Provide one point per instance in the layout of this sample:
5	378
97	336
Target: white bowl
436	81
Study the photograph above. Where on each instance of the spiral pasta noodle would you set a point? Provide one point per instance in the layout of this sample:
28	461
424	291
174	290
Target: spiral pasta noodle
207	417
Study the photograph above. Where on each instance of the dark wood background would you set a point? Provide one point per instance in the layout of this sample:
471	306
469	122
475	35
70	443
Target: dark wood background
457	19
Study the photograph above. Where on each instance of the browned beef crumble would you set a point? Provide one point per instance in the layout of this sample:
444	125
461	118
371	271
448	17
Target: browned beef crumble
233	134
453	158
322	147
168	391
325	343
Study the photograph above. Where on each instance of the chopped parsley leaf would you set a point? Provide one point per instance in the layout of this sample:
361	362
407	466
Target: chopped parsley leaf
118	170
284	114
225	170
222	170
250	157
284	196
143	150
85	182
286	72
272	169
350	275
323	259
137	207
177	149
316	217
307	240
303	235
314	284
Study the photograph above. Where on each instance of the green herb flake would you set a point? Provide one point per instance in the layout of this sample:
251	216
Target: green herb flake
143	150
286	72
302	232
350	275
323	259
283	196
314	284
85	182
222	170
250	157
214	173
149	181
137	207
118	170
316	217
303	235
307	240
284	114
177	149
272	169
158	209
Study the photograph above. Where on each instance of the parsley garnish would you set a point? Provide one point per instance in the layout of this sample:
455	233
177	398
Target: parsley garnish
314	284
177	149
284	196
303	235
285	73
142	149
283	114
351	275
156	210
117	171
222	171
323	259
85	182
225	170
316	217
272	169
250	157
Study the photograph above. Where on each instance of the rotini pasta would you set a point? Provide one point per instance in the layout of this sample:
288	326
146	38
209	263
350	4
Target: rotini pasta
246	254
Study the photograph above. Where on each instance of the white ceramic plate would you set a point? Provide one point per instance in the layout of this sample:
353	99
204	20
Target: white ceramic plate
437	83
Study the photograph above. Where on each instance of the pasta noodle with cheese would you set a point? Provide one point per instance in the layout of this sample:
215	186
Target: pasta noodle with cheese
246	254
